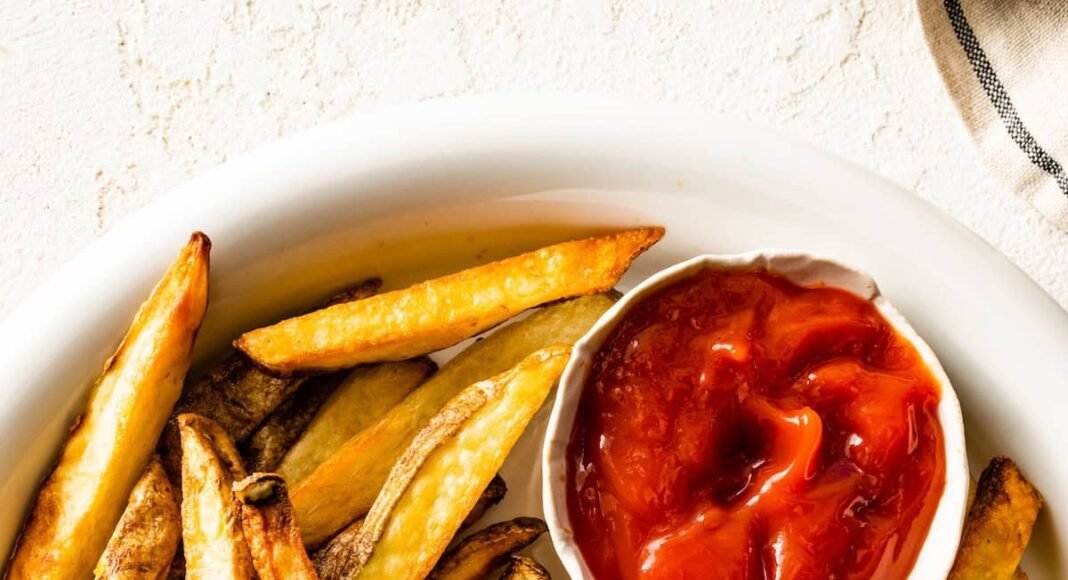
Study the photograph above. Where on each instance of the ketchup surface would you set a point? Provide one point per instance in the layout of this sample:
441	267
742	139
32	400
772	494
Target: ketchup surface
735	425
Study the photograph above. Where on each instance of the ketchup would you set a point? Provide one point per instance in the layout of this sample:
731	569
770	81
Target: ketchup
735	425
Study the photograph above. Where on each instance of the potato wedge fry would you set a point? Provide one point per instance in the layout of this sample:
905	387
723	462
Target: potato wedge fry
270	530
340	544
109	447
343	487
237	395
998	526
146	539
366	394
442	312
491	496
212	538
486	550
438	479
268	444
523	568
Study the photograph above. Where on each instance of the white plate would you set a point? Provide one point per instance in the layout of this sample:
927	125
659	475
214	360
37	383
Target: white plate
413	192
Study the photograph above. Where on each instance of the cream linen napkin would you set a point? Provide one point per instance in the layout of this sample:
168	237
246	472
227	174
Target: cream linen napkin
1005	64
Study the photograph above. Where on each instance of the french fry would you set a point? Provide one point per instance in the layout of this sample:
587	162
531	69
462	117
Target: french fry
491	496
442	312
343	487
339	545
972	485
212	538
268	444
146	539
237	395
523	568
441	474
110	445
479	554
998	526
270	530
364	396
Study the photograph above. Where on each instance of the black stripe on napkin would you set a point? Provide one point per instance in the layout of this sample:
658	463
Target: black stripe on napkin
999	97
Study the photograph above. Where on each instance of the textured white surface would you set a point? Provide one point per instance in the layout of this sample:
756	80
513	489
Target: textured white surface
103	107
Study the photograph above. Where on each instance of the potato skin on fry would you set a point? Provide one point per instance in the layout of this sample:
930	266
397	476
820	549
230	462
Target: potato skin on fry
146	539
523	568
333	558
479	554
270	530
268	444
212	537
366	394
998	526
444	470
442	312
343	487
340	545
108	448
237	395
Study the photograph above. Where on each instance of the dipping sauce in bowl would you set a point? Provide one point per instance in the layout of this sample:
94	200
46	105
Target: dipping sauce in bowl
734	424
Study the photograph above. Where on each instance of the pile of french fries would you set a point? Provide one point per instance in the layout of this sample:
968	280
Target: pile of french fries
330	446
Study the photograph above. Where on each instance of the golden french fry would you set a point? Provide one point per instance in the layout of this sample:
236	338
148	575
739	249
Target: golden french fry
268	444
479	554
998	526
344	486
523	568
237	395
442	312
146	539
364	396
441	474
212	538
109	447
270	530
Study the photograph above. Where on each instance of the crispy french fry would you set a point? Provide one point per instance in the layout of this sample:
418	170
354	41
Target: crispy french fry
237	395
109	447
146	539
442	312
523	568
270	530
479	554
340	544
998	526
366	394
212	538
344	486
441	474
268	444
491	496
972	484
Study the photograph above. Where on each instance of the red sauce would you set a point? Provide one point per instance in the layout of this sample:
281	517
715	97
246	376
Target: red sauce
735	425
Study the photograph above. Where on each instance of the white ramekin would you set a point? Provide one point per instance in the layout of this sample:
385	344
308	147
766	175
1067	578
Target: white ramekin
940	548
